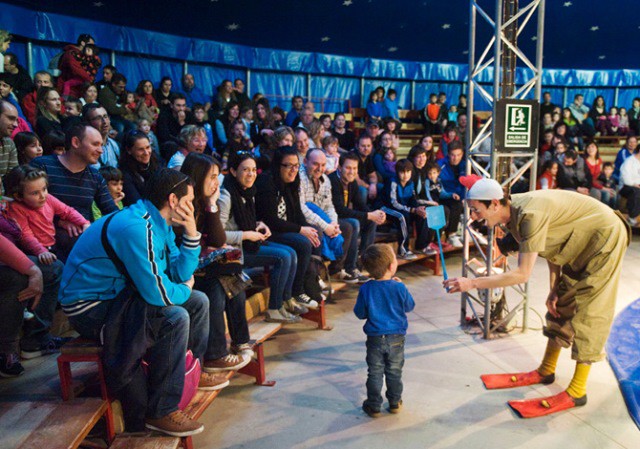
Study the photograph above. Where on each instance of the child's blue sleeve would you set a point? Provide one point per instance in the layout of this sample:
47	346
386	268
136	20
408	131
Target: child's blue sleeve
409	303
360	309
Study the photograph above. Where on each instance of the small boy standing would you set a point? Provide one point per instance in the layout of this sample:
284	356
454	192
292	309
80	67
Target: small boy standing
384	302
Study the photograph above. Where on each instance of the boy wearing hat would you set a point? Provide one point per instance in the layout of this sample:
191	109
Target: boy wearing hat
584	242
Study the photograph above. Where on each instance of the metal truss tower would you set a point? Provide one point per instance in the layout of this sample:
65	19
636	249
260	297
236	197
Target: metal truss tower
500	55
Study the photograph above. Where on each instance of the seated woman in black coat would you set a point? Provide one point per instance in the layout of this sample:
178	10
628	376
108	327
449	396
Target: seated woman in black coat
279	199
137	163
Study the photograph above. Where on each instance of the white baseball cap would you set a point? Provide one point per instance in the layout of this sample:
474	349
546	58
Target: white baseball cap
483	189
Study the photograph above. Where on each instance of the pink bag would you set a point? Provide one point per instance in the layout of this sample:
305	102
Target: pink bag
191	380
192	373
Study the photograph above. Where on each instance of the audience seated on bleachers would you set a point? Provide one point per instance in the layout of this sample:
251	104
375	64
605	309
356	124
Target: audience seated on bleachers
453	192
625	152
192	139
76	66
630	182
367	178
193	94
164	95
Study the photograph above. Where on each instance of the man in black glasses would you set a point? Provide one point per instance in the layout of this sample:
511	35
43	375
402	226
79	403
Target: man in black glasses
131	256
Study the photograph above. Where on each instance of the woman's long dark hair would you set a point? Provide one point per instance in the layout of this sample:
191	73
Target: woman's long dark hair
128	162
197	167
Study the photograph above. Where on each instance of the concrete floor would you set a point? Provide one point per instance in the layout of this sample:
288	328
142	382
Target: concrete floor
320	384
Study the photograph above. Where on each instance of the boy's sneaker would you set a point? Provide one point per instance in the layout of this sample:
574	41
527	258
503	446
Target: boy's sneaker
281	316
430	250
10	365
407	255
293	307
212	382
176	424
323	285
243	349
51	346
455	241
373	413
229	362
305	300
395	408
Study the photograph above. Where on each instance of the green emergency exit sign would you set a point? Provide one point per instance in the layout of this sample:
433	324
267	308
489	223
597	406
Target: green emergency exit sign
517	130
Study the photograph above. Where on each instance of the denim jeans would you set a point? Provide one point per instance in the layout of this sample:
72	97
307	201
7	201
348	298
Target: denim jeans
181	327
350	228
218	305
283	260
385	358
303	249
36	330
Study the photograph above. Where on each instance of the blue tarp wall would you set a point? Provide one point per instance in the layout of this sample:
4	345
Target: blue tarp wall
141	54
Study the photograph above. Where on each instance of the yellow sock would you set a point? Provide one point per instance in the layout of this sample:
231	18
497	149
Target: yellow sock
578	386
550	360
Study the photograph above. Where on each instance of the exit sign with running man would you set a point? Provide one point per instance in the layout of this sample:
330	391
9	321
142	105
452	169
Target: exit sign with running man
517	125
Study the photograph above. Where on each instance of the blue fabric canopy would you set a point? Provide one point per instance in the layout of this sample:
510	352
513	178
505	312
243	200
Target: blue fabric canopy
281	41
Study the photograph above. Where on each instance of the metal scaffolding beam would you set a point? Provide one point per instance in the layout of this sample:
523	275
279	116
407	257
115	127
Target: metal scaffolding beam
500	54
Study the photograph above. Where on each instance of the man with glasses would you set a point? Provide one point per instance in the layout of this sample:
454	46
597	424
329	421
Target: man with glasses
129	256
97	117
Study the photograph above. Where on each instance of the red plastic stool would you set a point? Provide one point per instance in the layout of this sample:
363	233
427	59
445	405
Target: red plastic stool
82	350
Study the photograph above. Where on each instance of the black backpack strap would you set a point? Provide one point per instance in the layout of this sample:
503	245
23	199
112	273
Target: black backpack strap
111	252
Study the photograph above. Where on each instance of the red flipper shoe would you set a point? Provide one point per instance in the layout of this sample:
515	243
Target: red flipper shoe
532	408
497	381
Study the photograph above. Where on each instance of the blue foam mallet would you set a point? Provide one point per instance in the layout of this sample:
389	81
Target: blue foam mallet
436	221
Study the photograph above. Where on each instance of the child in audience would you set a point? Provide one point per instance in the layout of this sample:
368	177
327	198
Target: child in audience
131	105
90	62
608	182
53	143
547	143
246	115
623	123
34	210
72	107
29	147
390	104
555	118
547	122
114	179
402	206
200	117
389	161
612	124
145	128
547	180
384	302
433	186
330	147
453	114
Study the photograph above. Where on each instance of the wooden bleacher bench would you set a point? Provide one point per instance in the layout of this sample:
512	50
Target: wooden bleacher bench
50	425
146	442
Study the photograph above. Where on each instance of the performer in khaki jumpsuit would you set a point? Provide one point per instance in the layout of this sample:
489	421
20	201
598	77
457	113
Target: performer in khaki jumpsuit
584	242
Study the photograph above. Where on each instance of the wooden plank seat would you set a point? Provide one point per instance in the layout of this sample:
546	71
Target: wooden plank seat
50	425
145	442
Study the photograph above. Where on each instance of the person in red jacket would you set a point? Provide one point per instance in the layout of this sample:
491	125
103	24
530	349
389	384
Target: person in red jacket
72	68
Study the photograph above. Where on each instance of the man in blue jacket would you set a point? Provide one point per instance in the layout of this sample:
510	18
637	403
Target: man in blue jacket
452	193
145	259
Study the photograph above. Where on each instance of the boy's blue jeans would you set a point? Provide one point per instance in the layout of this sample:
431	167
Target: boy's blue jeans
385	358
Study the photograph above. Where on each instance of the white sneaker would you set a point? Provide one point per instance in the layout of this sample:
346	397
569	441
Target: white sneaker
346	277
323	285
455	241
306	301
632	221
428	251
407	255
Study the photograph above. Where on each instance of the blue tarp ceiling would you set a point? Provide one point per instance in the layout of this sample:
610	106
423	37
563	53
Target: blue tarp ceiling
585	34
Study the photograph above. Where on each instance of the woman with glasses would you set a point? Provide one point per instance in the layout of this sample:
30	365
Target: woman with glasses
137	163
237	206
279	199
204	171
192	139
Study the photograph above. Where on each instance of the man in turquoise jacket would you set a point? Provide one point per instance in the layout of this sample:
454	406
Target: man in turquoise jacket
145	259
